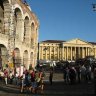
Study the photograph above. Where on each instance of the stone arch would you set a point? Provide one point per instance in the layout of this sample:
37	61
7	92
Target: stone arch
25	59
32	34
1	16
18	22
36	34
7	10
3	56
26	15
32	27
26	29
17	57
16	6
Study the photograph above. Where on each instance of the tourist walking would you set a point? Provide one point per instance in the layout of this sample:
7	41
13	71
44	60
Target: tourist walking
16	78
83	73
51	76
6	76
41	76
78	71
72	75
66	75
11	77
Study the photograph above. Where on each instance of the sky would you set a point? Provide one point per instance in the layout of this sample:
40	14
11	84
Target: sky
65	19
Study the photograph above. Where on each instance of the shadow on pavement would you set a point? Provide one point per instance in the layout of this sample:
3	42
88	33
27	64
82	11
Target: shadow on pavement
56	89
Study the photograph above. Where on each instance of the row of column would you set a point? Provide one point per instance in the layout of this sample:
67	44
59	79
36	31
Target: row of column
73	53
66	52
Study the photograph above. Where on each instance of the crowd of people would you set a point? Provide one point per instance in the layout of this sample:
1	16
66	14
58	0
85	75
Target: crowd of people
80	73
31	80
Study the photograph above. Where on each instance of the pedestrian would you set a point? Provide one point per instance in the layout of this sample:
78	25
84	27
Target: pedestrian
78	70
72	75
41	76
26	81
33	83
66	75
88	74
22	82
6	76
51	76
16	78
11	77
1	75
83	73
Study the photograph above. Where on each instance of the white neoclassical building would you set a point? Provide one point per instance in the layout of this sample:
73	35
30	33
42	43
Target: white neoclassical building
66	50
18	34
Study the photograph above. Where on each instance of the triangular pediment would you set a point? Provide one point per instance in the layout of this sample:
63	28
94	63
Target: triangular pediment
77	41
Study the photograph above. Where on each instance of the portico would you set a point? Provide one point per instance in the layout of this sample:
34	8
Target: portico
66	50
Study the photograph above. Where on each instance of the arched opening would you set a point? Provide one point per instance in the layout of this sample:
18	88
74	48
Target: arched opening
3	56
1	17
32	27
6	15
26	29
18	22
32	34
25	59
17	57
36	35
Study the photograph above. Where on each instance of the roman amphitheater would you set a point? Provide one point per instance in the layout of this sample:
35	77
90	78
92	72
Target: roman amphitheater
18	35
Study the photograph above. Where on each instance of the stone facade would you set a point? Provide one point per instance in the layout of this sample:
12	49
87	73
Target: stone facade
66	50
18	34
